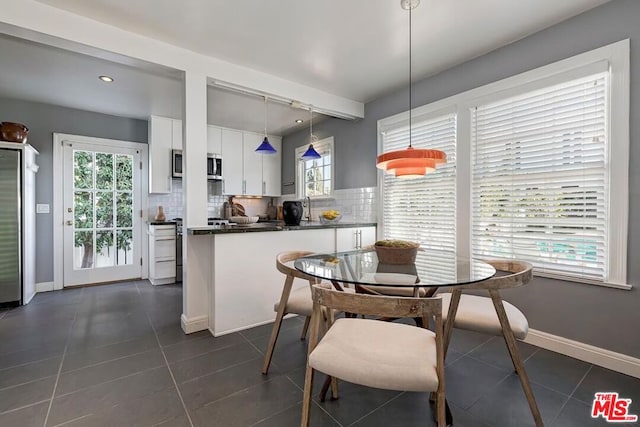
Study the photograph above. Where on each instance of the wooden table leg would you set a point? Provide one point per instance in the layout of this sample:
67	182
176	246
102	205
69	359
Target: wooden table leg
510	340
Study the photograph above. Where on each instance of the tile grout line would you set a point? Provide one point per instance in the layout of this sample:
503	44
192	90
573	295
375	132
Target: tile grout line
313	402
64	353
379	407
570	395
166	361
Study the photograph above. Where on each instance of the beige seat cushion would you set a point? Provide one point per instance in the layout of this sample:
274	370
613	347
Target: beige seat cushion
300	300
477	313
378	354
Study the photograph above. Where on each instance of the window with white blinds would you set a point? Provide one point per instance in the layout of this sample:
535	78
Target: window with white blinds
422	209
540	179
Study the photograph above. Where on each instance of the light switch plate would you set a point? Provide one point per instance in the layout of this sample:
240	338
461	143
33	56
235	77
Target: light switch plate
42	208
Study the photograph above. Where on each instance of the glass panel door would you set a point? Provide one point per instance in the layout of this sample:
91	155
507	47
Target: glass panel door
101	194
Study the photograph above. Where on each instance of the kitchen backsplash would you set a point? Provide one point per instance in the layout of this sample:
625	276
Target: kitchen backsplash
172	203
355	204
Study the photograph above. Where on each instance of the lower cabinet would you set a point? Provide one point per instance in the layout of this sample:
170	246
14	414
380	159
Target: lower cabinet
348	239
162	254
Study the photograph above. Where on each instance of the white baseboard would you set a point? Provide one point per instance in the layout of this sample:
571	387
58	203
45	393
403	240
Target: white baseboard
44	287
195	324
588	353
28	298
242	328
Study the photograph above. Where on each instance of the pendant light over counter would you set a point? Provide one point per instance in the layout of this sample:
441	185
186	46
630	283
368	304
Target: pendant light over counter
311	153
410	162
265	147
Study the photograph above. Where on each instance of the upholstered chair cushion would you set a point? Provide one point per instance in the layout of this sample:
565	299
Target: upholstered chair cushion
477	313
378	354
300	300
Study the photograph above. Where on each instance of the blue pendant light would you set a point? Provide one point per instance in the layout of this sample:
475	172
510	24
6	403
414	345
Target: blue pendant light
311	153
265	147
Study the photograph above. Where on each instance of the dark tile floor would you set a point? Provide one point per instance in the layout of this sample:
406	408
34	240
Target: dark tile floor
116	356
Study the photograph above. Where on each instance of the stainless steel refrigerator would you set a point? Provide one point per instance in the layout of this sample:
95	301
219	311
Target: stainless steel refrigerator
10	226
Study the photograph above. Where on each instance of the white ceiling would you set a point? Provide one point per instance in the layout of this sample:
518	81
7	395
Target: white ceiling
356	49
39	73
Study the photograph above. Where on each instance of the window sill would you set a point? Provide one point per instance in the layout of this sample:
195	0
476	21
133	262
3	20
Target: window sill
622	286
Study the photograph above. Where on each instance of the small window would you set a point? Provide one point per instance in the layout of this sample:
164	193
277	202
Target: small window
315	177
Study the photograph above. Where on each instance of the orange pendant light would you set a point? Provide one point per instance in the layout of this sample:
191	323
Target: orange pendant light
410	162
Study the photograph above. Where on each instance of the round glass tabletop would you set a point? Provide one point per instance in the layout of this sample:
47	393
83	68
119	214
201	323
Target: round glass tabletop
361	267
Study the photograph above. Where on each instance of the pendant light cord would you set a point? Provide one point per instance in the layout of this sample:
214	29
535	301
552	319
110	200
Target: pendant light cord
265	116
310	124
410	100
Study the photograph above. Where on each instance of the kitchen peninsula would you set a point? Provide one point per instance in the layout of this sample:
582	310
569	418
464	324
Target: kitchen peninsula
243	281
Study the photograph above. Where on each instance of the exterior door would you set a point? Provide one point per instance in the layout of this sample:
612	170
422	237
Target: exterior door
102	221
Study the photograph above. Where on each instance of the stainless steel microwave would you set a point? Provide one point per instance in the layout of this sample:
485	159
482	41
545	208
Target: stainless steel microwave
214	165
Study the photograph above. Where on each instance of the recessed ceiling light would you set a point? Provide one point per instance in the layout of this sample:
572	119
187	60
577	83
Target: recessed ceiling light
299	120
106	79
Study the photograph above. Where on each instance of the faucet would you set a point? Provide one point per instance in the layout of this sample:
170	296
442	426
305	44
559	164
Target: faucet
307	204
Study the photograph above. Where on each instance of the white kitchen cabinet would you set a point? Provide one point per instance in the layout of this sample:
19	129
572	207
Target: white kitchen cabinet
162	254
160	145
244	171
252	164
214	140
232	164
348	239
272	169
176	134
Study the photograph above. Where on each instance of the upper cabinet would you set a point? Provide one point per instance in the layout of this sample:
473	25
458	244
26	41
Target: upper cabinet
176	134
214	139
244	171
232	180
160	146
272	169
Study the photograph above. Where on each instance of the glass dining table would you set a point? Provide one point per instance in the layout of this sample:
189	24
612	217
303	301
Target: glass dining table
432	269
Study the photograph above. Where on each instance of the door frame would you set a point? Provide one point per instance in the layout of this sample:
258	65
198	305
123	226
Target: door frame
58	197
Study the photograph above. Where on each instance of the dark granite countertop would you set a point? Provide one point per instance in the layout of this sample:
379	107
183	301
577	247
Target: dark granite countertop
154	222
273	226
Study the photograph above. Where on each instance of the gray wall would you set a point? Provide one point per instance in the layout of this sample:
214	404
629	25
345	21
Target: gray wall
603	317
43	120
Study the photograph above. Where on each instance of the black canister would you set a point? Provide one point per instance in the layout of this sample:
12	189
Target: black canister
292	212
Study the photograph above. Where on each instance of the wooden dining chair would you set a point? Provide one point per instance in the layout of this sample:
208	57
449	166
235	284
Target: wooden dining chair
374	353
296	301
492	315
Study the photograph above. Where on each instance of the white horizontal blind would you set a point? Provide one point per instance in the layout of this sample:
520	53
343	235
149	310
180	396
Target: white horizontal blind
423	209
540	180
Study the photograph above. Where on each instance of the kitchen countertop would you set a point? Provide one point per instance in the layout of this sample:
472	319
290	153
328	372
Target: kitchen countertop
161	222
273	226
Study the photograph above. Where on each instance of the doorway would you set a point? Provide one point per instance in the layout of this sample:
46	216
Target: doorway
101	212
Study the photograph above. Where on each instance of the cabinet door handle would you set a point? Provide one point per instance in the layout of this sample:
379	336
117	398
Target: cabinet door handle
168	184
355	236
264	187
223	186
244	186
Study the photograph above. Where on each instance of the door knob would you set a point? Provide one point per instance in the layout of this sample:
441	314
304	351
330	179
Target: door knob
69	222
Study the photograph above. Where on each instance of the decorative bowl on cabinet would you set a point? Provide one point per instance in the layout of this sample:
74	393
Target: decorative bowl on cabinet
13	132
